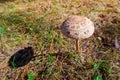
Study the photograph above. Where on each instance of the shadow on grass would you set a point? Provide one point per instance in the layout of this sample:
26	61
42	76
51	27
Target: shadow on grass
109	29
21	57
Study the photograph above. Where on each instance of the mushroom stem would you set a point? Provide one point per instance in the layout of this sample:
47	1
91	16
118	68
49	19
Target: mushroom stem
77	45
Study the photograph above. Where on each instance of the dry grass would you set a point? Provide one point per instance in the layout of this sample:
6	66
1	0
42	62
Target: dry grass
36	23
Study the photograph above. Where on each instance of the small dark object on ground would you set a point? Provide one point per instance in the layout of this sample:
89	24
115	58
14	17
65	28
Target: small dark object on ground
21	57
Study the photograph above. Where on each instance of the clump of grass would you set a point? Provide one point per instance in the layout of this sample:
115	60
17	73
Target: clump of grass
2	30
98	77
102	69
31	76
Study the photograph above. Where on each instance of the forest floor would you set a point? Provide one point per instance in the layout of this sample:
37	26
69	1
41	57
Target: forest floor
32	46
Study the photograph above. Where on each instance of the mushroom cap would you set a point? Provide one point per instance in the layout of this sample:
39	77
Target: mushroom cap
77	27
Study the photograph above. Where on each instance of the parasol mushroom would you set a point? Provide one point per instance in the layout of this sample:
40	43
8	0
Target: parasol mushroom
77	27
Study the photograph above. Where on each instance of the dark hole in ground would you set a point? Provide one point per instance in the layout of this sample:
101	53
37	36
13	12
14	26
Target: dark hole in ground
21	57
